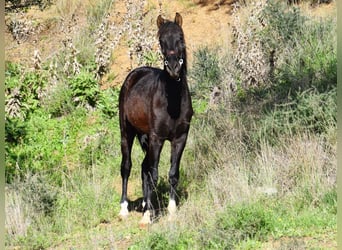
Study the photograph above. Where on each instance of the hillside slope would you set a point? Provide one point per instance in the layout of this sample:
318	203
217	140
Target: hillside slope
205	23
46	30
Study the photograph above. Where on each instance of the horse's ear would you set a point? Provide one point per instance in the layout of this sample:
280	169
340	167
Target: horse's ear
160	21
178	19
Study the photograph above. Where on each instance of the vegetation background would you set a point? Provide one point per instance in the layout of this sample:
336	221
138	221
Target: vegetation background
259	168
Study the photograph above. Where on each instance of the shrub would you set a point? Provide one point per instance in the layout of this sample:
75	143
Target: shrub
58	100
249	221
84	88
108	102
205	72
41	148
295	53
23	91
301	56
312	64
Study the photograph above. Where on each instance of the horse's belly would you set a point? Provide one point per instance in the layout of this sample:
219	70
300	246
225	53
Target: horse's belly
137	115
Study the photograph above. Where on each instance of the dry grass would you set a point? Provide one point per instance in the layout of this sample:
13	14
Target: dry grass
300	169
18	214
66	8
304	161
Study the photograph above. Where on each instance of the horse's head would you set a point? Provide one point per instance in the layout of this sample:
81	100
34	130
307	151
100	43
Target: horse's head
172	44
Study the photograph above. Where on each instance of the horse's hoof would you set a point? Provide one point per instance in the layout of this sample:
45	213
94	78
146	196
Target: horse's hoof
172	209
146	220
124	210
122	216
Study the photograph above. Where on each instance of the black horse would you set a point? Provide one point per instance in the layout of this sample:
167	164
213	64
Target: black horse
155	105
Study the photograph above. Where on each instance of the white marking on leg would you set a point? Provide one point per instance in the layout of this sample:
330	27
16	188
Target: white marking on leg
124	209
172	208
146	219
143	204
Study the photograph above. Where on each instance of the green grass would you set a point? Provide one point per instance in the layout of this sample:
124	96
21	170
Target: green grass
246	225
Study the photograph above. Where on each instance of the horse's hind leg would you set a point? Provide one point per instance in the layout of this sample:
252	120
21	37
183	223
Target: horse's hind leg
127	137
144	142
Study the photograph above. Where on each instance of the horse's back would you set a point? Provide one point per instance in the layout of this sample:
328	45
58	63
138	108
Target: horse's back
141	74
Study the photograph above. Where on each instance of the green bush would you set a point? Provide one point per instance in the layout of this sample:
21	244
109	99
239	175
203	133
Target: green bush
23	90
167	241
312	63
108	102
205	72
59	102
84	89
248	221
40	150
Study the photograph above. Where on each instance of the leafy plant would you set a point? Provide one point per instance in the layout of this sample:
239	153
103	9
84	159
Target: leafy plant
205	73
297	53
108	102
23	90
248	221
84	88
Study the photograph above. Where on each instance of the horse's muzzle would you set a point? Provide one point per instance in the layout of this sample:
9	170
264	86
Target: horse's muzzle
173	66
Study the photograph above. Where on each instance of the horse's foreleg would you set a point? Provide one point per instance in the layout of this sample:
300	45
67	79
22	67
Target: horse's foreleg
177	147
126	164
150	178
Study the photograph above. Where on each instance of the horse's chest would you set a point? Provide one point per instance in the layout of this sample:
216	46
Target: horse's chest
171	122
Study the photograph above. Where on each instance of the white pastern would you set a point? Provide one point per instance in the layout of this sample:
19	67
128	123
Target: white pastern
146	219
124	209
172	208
